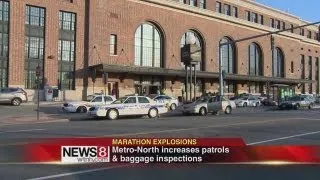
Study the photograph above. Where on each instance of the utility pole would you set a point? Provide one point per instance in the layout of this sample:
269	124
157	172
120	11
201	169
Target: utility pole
38	73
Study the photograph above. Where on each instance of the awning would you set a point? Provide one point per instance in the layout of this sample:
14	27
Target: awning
138	70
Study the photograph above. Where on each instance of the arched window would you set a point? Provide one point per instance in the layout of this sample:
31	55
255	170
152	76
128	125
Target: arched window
198	41
255	60
278	63
148	46
228	56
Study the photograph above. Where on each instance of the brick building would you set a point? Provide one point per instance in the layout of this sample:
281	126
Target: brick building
137	44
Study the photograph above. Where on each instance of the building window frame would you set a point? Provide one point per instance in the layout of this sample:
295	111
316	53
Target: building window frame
113	45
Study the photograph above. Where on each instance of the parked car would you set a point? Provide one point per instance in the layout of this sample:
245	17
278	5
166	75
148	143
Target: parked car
14	96
83	106
296	102
129	106
170	102
309	97
208	104
269	102
248	101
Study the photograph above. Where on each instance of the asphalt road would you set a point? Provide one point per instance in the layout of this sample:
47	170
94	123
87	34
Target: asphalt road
255	126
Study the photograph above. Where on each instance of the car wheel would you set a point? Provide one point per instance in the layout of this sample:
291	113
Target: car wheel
81	109
310	106
16	102
203	111
112	114
296	107
257	104
245	104
228	110
173	106
153	113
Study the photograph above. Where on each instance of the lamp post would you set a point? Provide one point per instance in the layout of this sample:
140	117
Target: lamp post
220	71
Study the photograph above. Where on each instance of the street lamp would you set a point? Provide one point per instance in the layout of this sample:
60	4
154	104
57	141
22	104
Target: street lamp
221	92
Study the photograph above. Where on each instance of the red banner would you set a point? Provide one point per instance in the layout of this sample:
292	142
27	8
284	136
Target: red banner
164	150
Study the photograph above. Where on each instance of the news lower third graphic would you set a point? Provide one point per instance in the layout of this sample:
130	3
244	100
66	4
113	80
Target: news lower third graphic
165	151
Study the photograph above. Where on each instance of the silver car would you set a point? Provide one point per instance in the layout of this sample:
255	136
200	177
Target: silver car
14	96
296	102
208	104
248	101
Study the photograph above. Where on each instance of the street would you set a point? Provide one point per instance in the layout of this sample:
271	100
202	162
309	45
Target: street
257	126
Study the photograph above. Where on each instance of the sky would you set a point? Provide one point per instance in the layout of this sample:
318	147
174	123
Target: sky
305	9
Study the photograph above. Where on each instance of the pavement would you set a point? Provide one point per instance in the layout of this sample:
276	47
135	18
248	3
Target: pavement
257	126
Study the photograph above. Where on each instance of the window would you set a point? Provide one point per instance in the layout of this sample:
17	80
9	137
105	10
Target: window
302	32
272	24
97	99
255	60
143	100
283	25
228	56
302	67
230	87
248	15
292	67
227	9
113	44
309	34
260	19
218	7
131	100
310	74
198	41
148	46
254	17
278	63
202	4
254	87
34	45
107	99
292	30
4	43
193	2
66	51
235	12
278	24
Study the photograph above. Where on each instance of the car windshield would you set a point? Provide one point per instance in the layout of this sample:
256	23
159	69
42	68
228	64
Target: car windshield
244	98
120	100
151	96
294	98
89	98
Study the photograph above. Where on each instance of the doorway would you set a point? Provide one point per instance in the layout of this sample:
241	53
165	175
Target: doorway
113	89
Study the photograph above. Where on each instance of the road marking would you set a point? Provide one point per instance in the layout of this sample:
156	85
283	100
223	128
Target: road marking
24	130
76	173
282	138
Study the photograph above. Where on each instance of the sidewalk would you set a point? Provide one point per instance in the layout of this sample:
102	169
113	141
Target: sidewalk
29	119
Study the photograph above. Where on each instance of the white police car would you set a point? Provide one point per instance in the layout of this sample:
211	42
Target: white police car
83	106
170	102
129	106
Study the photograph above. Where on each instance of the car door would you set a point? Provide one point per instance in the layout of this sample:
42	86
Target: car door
304	102
251	101
211	105
144	105
5	95
130	107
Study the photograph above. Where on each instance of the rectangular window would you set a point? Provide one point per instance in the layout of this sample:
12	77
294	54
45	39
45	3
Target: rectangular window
193	2
302	69
309	34
310	74
227	9
292	67
292	30
254	17
113	44
218	7
283	25
34	45
202	4
4	43
302	32
66	51
272	23
248	15
260	19
235	11
278	25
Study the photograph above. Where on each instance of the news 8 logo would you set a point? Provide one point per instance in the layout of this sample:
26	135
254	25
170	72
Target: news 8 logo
85	154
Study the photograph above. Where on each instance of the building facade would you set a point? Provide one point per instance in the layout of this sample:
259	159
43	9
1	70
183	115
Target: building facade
134	46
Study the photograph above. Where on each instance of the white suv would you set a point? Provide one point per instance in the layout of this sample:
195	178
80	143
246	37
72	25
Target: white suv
15	96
